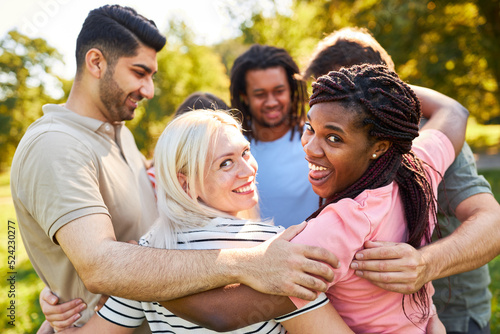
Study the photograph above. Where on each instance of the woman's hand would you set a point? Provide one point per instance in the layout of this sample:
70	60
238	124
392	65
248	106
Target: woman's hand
59	316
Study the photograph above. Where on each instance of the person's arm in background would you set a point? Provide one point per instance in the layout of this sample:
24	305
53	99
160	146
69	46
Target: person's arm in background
401	268
444	114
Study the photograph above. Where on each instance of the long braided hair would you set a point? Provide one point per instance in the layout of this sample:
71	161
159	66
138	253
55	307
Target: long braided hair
391	111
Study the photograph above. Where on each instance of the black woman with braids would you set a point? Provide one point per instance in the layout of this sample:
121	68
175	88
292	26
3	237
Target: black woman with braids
377	180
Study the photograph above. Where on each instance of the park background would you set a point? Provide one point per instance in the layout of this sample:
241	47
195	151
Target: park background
450	46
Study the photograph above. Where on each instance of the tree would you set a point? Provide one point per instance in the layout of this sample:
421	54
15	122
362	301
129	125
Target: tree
26	83
489	32
440	45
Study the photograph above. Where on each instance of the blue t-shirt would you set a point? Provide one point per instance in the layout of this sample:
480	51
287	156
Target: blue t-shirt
286	196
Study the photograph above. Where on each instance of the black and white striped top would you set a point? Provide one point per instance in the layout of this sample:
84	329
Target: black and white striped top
221	233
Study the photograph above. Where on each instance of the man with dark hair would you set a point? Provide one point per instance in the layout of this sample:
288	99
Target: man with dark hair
344	48
79	184
469	218
116	31
267	90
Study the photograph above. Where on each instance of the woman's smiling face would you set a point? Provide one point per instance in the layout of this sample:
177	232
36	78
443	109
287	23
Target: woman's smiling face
230	176
337	148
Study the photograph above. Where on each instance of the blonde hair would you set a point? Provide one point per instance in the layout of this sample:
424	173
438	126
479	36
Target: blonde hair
184	147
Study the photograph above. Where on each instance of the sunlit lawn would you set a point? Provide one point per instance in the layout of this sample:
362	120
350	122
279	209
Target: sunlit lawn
27	284
493	176
483	138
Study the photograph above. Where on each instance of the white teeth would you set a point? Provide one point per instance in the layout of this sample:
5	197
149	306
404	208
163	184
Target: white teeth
315	167
244	189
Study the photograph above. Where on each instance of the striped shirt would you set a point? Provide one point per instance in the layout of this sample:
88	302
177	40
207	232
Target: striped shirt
221	233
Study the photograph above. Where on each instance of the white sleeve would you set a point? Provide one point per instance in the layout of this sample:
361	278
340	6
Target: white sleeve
122	312
320	301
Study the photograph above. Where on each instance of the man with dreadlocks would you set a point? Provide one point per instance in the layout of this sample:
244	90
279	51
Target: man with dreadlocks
266	89
469	217
375	185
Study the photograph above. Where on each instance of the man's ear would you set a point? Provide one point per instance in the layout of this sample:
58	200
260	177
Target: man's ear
380	148
183	182
95	63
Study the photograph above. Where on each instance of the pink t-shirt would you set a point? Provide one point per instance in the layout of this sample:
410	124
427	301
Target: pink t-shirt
375	214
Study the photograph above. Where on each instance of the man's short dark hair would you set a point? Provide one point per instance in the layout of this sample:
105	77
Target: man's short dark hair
201	100
261	57
344	48
116	31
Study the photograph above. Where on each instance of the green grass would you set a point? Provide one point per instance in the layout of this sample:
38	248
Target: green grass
483	138
28	316
495	290
28	285
493	176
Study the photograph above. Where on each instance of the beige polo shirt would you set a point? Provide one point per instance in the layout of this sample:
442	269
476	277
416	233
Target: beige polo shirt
66	167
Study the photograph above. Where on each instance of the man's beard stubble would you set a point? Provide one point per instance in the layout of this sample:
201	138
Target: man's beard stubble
113	99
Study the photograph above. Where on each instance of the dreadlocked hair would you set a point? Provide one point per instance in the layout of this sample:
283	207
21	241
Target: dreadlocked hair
390	110
262	57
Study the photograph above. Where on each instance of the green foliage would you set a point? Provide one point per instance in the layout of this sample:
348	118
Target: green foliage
493	177
229	50
495	290
25	72
483	138
286	31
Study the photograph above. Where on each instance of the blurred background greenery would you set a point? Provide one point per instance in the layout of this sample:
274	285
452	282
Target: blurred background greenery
450	46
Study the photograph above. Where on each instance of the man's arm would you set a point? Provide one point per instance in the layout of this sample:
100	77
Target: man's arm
444	114
401	268
229	308
471	245
237	306
142	273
